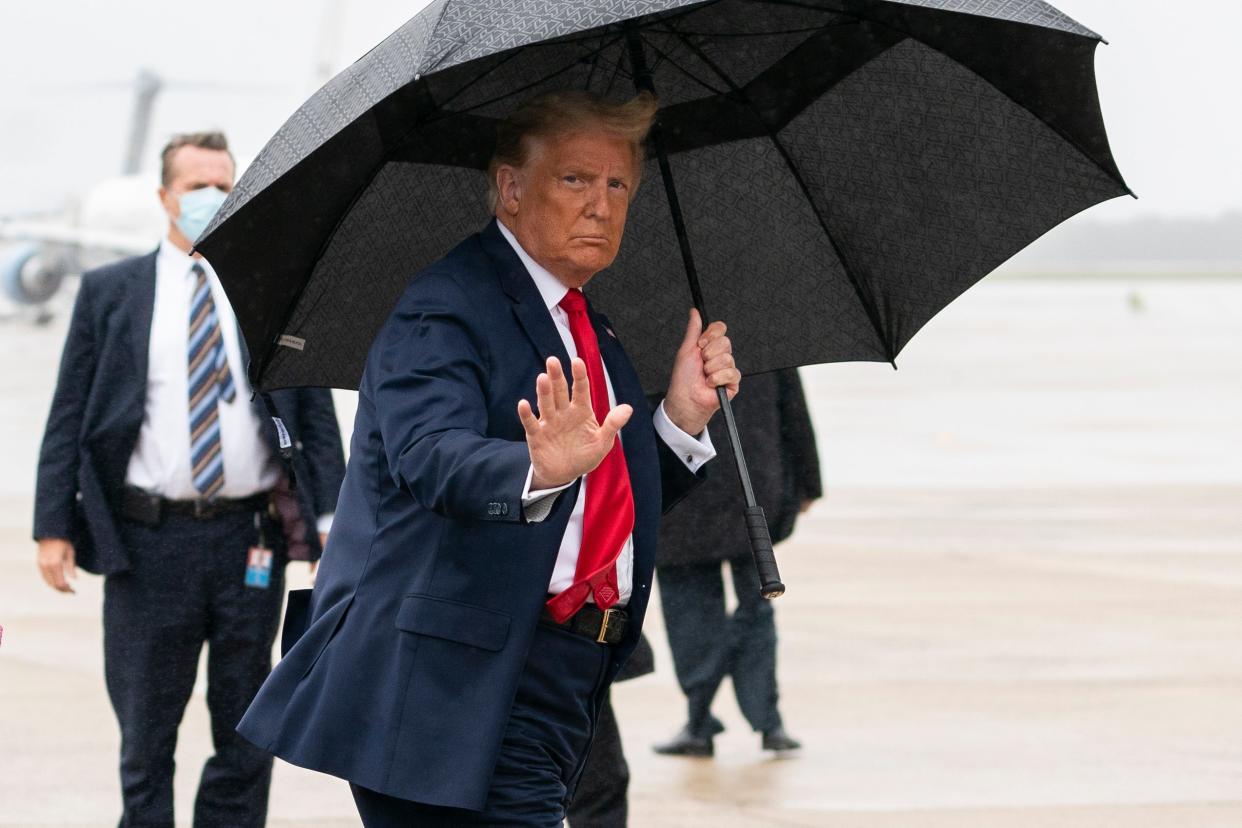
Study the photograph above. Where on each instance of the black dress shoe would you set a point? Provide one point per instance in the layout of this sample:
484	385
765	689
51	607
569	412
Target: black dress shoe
778	740
686	743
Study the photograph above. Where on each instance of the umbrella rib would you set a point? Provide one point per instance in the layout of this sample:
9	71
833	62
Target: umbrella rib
561	41
518	52
669	59
594	64
470	84
860	290
616	72
534	83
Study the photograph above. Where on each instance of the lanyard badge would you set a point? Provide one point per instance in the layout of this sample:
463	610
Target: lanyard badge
259	560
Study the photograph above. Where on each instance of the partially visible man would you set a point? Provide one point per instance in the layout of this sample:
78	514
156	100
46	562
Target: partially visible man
158	471
492	558
706	530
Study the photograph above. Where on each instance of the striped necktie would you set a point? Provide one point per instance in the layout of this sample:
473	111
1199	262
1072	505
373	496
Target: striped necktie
209	380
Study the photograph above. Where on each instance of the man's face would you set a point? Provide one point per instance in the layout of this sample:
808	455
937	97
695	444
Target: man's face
192	169
567	204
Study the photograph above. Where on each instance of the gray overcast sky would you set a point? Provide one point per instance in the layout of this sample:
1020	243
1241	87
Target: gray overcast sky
1169	84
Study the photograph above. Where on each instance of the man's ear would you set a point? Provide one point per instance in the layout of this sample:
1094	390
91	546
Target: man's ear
509	185
169	203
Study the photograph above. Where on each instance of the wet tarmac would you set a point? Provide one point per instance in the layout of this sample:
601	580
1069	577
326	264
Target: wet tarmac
1019	605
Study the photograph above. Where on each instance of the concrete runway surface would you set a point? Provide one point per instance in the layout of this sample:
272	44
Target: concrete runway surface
1019	605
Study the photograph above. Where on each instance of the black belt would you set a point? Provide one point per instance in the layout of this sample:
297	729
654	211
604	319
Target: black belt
603	626
151	509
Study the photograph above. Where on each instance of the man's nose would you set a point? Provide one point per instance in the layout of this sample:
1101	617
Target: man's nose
597	202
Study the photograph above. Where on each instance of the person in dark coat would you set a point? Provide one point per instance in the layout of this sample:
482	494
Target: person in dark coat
707	529
159	471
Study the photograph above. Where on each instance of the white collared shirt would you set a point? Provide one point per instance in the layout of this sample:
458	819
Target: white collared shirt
694	451
161	460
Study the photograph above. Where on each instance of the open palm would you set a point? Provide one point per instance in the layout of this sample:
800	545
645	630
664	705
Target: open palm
565	440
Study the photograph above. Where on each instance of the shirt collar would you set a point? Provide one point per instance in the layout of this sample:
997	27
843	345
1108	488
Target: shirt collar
550	288
173	260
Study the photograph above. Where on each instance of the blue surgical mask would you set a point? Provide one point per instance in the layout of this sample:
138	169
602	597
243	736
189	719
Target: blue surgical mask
197	209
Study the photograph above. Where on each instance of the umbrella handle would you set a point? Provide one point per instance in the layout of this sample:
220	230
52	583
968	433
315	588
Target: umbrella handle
770	584
765	558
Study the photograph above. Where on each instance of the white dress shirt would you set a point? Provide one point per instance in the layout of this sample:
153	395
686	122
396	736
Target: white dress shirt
694	451
161	461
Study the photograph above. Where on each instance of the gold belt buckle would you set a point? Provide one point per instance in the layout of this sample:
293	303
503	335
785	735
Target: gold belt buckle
603	627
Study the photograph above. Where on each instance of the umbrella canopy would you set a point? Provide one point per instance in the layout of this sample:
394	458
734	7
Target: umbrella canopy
846	168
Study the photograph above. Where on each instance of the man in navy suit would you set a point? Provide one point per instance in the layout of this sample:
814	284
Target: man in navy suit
491	560
159	472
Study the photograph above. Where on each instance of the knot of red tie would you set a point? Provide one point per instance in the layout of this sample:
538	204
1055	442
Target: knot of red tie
573	302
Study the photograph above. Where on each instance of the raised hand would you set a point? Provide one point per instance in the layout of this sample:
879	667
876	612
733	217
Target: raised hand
565	440
704	362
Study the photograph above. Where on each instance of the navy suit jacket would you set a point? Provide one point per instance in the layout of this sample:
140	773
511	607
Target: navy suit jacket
97	412
431	587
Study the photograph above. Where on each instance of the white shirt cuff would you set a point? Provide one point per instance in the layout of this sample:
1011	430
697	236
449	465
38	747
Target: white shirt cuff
324	524
693	451
538	504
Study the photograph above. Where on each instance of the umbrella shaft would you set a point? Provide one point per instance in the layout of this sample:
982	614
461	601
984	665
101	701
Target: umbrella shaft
679	223
770	585
644	82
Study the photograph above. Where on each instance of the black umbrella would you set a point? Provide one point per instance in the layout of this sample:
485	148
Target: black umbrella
844	169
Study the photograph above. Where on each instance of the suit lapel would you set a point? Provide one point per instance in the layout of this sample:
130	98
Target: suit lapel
532	314
141	307
627	389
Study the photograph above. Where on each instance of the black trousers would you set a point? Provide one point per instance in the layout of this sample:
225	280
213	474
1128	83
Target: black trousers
600	801
709	644
186	587
543	749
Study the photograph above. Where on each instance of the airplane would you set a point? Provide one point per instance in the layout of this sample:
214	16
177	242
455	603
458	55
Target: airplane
118	216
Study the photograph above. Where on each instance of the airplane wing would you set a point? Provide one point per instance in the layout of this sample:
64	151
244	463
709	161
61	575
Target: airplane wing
82	238
36	255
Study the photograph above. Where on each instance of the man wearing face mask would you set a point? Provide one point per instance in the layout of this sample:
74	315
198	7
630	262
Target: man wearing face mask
159	472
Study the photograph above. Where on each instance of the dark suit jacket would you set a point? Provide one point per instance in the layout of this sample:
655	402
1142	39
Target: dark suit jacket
97	412
431	586
775	427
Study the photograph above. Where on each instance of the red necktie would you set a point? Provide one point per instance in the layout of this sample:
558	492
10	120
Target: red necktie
609	516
